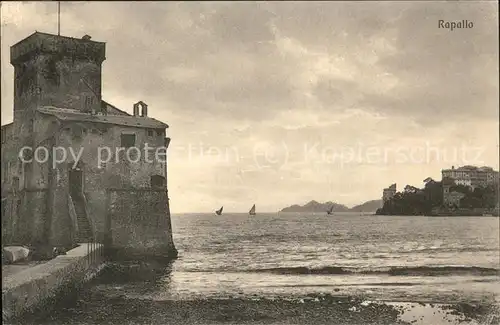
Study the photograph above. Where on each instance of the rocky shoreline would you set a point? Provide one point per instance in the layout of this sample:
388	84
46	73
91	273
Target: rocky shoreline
96	307
107	300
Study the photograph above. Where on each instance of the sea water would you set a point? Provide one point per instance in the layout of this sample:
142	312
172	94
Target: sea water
293	256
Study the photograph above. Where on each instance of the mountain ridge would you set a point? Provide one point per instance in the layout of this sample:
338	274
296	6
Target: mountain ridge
315	206
368	206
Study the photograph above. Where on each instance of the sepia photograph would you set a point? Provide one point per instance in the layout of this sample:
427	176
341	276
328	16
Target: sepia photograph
250	162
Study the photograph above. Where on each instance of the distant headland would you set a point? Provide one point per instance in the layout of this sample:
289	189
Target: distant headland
314	206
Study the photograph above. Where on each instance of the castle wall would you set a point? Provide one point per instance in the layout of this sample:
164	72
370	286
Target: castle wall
43	209
26	186
36	287
10	194
113	174
139	224
8	156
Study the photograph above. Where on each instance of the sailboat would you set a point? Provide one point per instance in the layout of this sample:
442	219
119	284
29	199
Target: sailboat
252	211
329	212
219	212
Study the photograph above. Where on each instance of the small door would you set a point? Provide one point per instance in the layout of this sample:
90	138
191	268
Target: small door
76	181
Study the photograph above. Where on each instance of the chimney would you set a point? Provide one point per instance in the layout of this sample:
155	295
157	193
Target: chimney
452	167
136	109
144	110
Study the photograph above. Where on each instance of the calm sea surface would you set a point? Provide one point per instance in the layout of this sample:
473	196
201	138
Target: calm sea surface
287	254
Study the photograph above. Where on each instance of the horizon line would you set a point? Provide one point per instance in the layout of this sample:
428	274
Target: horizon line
232	212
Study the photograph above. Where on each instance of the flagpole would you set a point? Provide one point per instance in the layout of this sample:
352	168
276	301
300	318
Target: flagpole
58	18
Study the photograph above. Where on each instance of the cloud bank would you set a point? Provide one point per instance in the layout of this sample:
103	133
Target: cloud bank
249	88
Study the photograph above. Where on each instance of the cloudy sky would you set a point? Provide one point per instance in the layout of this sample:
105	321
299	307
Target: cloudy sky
280	103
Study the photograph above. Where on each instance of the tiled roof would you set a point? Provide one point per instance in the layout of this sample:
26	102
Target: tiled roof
466	168
74	115
486	169
113	110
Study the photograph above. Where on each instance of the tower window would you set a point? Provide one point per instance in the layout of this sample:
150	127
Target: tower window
78	132
52	73
150	133
18	207
88	103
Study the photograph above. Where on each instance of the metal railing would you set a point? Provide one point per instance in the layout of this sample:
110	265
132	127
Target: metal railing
95	251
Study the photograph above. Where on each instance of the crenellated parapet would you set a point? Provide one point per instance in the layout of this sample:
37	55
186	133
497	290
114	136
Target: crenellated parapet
75	48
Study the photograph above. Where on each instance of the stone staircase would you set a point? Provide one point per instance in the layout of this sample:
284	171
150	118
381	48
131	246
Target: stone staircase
84	230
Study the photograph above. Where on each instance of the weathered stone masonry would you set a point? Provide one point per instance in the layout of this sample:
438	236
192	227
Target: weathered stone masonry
58	103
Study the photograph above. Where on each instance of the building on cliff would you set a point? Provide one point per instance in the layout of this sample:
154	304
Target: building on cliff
451	199
389	192
471	176
121	199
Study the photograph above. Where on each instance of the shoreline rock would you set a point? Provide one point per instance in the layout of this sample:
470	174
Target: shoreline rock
15	254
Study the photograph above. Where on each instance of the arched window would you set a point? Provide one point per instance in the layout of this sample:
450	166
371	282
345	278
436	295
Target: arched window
143	109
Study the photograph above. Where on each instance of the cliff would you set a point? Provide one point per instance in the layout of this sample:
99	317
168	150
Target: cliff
430	201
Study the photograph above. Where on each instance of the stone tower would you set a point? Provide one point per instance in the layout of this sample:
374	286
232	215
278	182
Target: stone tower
51	70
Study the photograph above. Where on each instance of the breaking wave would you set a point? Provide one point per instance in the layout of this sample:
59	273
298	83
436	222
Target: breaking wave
394	271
